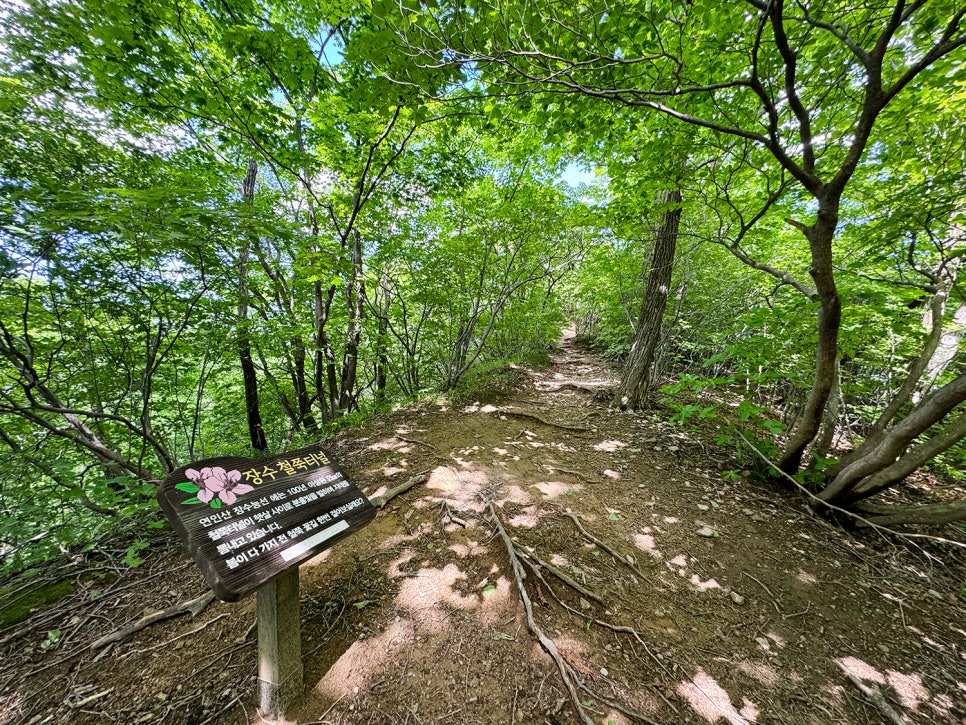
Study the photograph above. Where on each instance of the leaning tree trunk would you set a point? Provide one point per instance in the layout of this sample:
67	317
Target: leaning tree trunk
883	462
632	391
256	431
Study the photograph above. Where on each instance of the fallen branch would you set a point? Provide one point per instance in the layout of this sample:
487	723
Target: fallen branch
171	641
616	554
192	606
533	416
380	501
545	642
876	698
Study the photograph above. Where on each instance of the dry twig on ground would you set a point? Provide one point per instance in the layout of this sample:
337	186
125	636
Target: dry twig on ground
193	606
380	501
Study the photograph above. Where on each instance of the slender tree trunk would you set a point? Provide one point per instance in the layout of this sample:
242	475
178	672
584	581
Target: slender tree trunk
635	380
830	419
355	298
382	342
256	432
943	281
301	388
946	351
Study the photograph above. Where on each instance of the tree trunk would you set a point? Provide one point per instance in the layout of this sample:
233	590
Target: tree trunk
907	463
635	380
830	420
880	463
946	350
256	432
355	297
382	342
819	235
301	389
940	513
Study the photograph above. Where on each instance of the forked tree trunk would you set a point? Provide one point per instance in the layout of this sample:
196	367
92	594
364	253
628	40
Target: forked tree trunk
635	380
883	462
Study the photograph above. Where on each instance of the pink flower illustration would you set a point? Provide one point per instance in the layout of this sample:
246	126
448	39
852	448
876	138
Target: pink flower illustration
216	480
232	487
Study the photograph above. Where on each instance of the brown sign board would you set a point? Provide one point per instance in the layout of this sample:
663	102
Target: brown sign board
245	521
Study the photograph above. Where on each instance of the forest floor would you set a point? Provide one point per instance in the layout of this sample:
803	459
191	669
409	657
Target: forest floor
705	598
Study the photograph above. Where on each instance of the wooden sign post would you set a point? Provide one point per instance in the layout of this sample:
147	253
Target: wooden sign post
279	642
248	525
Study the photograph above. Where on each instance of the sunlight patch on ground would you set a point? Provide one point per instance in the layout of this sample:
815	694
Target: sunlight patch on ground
388	444
909	687
470	548
861	669
681	562
645	542
514	494
391	470
526	519
610	446
362	660
459	490
704	585
611	474
556	489
805	578
760	671
429	588
709	700
318	559
671	520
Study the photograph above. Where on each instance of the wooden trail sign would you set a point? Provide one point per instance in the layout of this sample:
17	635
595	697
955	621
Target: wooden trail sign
246	521
248	525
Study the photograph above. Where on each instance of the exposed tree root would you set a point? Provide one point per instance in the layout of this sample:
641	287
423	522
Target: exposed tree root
616	554
940	513
875	696
533	416
600	622
192	606
593	390
566	674
818	504
633	714
380	501
561	575
417	443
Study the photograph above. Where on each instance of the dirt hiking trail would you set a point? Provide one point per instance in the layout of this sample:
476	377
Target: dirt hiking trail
667	591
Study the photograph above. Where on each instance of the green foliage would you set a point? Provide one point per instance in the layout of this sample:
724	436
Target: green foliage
406	233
